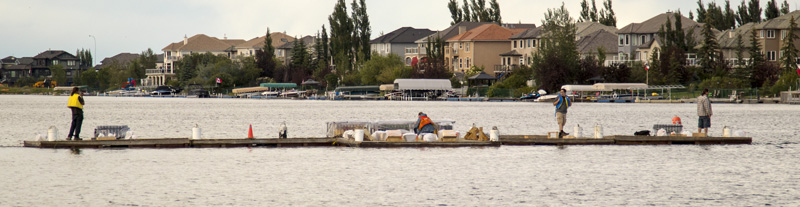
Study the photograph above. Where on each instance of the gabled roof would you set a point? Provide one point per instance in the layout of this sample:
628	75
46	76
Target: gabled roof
452	31
600	38
586	28
51	54
528	34
122	58
511	53
201	42
402	35
9	60
482	76
781	22
653	24
308	40
278	39
487	32
519	26
727	38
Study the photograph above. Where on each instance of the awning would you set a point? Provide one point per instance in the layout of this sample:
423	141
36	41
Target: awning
310	82
249	89
423	84
279	85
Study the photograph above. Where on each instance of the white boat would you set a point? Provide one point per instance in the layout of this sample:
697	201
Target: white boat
271	93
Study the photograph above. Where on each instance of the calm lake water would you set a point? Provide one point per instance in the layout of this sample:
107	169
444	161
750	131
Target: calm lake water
764	173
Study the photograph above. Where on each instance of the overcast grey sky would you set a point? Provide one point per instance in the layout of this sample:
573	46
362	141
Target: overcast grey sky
32	26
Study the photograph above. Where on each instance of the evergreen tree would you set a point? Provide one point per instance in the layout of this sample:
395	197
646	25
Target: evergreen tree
708	52
607	16
784	7
494	12
593	14
754	10
326	53
467	12
475	11
742	17
557	61
789	49
730	17
584	12
364	30
701	10
772	10
739	49
265	57
355	16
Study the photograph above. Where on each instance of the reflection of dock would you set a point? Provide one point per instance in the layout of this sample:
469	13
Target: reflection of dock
331	142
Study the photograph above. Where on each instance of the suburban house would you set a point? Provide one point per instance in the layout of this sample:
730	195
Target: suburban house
285	50
419	51
637	41
399	42
43	61
589	36
199	43
728	43
480	47
249	48
14	68
768	32
122	60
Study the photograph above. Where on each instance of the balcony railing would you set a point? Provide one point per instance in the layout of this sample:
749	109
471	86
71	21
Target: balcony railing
158	71
504	68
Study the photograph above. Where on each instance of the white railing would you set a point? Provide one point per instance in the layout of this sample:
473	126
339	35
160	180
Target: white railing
158	71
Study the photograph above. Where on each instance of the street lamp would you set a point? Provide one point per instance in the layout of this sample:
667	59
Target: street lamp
95	49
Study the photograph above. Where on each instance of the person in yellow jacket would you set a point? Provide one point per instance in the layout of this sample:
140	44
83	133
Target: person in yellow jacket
75	104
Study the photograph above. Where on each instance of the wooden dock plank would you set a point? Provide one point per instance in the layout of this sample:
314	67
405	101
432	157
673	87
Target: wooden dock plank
294	142
372	144
134	143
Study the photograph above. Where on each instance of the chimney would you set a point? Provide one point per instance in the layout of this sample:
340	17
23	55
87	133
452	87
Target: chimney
462	29
185	40
730	34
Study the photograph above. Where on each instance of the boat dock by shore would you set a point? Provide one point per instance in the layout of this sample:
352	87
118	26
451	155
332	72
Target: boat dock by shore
339	142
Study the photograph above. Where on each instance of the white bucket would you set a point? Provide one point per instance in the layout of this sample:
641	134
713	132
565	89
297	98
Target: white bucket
429	137
196	133
726	131
359	135
577	131
52	133
494	135
598	131
661	132
410	137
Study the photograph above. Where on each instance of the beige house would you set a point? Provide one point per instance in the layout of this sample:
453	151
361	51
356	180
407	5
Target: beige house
589	36
480	47
249	48
728	43
199	43
638	41
772	34
420	51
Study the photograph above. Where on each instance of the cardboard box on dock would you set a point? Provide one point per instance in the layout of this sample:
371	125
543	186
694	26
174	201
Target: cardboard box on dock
106	138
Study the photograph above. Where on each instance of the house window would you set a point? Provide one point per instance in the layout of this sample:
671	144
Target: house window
467	47
69	73
783	34
468	65
514	44
529	43
627	39
408	61
521	44
534	43
621	39
460	45
55	62
521	61
771	55
761	33
770	33
644	39
460	63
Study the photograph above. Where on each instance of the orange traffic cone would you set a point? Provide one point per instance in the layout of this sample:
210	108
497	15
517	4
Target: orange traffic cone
250	132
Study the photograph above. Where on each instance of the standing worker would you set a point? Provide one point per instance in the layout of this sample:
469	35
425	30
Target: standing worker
423	124
75	104
562	103
704	112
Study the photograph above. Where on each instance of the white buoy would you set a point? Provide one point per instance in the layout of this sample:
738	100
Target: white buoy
494	134
196	132
359	135
52	133
577	131
726	131
598	131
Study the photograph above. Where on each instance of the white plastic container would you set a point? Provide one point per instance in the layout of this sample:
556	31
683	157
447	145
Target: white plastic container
577	131
598	131
494	135
429	137
196	133
410	137
52	133
661	132
359	135
726	131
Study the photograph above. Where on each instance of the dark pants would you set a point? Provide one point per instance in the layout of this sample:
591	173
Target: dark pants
77	121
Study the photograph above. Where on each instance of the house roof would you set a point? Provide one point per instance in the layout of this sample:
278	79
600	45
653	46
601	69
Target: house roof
50	54
519	26
487	32
781	22
528	34
9	60
308	40
278	39
402	35
122	58
653	24
586	28
452	31
202	42
482	76
511	53
727	38
601	38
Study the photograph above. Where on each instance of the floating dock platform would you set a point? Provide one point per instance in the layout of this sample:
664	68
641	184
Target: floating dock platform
339	142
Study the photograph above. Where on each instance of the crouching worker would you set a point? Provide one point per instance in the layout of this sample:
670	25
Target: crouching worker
423	125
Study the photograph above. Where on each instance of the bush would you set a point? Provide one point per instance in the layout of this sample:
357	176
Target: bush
724	83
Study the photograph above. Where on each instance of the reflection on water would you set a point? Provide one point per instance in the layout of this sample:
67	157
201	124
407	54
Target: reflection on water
763	173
